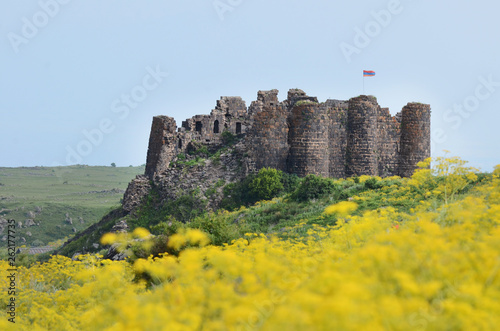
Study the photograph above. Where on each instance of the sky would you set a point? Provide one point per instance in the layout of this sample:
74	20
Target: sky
81	80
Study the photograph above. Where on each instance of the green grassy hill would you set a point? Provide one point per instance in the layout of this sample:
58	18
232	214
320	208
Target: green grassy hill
59	200
363	253
275	203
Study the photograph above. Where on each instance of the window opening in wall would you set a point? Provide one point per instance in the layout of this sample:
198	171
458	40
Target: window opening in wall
216	126
198	126
238	128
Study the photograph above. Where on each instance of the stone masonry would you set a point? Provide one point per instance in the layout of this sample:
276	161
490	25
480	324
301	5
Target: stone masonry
299	135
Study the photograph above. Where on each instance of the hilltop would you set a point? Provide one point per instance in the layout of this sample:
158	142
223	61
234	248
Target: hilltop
208	162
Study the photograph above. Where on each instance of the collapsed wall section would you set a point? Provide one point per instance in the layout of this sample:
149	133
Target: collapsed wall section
232	115
388	143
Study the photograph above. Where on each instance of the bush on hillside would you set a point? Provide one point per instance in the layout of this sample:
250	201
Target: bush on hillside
267	184
314	187
290	182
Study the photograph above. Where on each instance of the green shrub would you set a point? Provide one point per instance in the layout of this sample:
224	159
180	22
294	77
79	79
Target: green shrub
220	229
267	184
154	210
37	243
185	208
203	150
238	194
168	227
290	182
372	184
314	187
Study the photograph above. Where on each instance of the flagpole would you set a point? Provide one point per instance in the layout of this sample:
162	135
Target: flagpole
363	84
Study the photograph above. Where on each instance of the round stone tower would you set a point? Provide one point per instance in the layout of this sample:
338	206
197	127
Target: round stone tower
415	141
308	139
361	152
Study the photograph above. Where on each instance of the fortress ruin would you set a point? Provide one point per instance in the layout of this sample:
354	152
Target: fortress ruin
299	135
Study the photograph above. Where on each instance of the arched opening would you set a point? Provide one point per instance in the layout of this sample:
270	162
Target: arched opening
238	128
216	126
198	126
180	144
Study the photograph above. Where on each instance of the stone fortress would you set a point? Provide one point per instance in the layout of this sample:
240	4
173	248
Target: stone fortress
302	136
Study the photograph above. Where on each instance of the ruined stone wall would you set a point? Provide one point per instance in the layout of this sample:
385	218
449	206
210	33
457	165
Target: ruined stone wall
267	138
362	140
415	144
337	137
388	143
162	145
308	139
230	114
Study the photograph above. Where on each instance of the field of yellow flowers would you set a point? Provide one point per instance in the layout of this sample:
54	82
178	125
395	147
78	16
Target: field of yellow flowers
434	268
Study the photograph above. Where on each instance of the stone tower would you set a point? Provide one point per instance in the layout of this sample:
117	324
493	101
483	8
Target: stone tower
308	139
415	137
361	156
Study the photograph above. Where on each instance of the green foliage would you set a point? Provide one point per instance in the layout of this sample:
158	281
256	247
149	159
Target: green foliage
113	165
238	194
267	184
201	150
304	102
210	192
290	182
228	138
216	156
372	184
89	193
25	260
220	228
37	243
168	227
153	210
84	243
313	187
189	163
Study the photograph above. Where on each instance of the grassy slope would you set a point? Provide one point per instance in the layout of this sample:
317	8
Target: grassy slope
279	216
80	191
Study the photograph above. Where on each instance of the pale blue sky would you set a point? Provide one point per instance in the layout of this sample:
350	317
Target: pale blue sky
64	66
